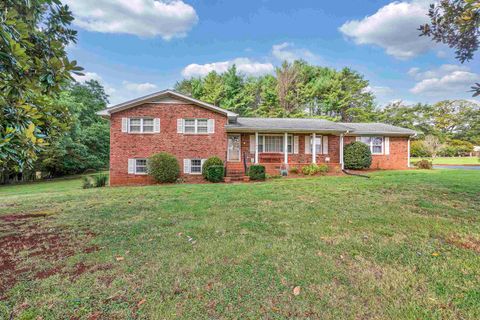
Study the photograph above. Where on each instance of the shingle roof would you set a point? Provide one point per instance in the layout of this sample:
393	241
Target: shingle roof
313	125
377	128
285	124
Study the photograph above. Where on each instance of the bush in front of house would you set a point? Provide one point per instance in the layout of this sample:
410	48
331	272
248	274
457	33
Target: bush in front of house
423	164
256	172
212	161
313	169
215	173
357	155
294	170
163	167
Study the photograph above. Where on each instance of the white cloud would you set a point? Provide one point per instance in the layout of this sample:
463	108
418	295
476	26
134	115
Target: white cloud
139	87
447	80
379	90
394	28
87	76
145	18
287	52
244	65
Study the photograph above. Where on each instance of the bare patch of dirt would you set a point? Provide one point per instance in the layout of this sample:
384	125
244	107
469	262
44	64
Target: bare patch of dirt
28	242
469	243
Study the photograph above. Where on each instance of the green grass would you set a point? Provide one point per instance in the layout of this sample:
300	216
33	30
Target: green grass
401	245
451	160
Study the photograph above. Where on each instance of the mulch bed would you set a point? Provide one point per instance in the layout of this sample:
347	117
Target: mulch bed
30	236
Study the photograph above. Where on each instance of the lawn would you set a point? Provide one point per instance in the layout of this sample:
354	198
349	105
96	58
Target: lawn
401	245
452	160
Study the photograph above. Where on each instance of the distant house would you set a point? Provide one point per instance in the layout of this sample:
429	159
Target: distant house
193	131
476	151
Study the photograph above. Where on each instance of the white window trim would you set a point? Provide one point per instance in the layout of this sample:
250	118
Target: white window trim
196	126
135	166
189	171
262	137
141	125
371	144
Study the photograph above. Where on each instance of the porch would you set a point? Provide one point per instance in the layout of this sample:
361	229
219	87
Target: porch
282	151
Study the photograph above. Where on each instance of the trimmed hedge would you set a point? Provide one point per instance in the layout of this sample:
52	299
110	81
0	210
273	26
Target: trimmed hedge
256	172
215	173
212	161
357	155
163	167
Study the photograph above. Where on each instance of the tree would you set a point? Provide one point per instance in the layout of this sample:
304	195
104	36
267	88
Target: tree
86	145
457	24
432	145
33	68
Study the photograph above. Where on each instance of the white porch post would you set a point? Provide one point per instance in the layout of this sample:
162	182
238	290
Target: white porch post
256	147
408	158
341	152
314	148
285	148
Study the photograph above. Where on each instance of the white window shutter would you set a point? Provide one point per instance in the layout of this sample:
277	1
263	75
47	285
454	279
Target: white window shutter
211	126
325	144
124	124
156	125
308	149
387	145
179	125
201	164
252	143
295	144
131	166
186	165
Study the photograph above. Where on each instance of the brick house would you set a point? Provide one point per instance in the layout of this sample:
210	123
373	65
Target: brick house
193	131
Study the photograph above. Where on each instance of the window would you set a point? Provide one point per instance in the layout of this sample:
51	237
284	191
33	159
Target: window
375	144
140	166
140	125
274	143
196	166
195	126
318	144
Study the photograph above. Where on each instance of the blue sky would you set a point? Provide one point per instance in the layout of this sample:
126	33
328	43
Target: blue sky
135	47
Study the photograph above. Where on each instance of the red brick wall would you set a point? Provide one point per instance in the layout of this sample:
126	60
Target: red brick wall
397	159
184	146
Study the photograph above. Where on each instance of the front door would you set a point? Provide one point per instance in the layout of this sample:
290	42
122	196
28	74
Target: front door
233	153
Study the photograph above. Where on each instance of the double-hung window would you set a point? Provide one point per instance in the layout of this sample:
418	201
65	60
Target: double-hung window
196	166
318	145
274	143
375	144
195	126
140	125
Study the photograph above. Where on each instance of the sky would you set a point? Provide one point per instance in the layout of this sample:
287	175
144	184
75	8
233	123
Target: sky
136	47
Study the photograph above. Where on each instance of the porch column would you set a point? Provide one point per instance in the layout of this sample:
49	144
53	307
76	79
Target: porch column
341	152
256	147
314	148
285	148
408	157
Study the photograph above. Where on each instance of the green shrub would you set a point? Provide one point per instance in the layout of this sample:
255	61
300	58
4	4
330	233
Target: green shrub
215	173
87	182
163	167
294	170
212	161
100	180
257	172
418	150
423	164
94	181
357	155
313	168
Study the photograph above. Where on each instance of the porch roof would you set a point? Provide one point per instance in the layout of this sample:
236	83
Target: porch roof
285	125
